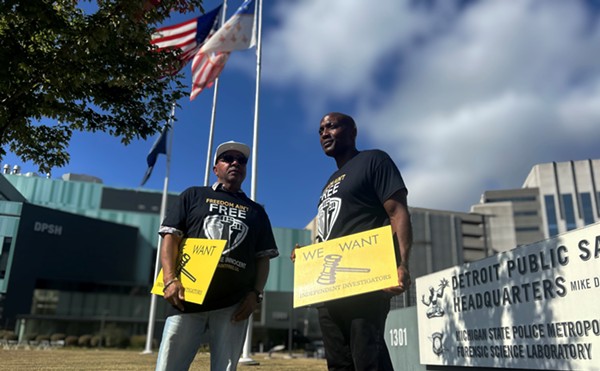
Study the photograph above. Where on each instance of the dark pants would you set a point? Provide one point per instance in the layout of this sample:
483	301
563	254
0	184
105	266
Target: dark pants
353	332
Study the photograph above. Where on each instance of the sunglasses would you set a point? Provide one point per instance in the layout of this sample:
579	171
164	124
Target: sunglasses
231	158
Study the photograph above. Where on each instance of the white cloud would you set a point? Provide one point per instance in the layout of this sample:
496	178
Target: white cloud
475	96
580	109
336	45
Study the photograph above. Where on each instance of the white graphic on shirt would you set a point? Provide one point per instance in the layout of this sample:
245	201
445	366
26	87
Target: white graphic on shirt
328	213
224	227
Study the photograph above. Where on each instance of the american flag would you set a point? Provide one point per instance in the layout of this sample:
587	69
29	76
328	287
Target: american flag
187	36
205	70
236	34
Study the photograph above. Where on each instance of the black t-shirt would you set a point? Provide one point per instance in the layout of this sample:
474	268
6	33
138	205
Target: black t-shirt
352	201
213	213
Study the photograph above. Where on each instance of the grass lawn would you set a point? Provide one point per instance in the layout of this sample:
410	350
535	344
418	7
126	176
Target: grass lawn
109	360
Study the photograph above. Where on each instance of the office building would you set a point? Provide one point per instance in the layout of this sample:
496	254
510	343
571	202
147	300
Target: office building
555	198
77	256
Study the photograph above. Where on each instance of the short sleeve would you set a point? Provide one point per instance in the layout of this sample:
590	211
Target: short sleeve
176	218
387	179
266	246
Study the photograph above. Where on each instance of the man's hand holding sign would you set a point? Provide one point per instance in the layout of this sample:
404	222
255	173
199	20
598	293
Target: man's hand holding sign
194	271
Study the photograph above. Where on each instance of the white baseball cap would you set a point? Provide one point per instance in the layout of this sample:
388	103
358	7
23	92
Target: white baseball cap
232	146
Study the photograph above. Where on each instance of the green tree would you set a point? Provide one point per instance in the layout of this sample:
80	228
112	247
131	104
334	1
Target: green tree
64	69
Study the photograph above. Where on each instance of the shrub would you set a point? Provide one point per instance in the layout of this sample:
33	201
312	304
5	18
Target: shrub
137	341
57	336
71	341
95	341
31	337
10	335
115	337
42	337
85	341
119	341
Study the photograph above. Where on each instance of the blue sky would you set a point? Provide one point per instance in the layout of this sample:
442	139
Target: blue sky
466	96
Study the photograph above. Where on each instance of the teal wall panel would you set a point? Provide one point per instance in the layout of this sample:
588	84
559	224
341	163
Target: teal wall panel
57	193
85	198
10	208
10	213
281	273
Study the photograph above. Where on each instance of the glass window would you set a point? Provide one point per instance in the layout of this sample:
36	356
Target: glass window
588	211
525	213
569	211
44	301
512	199
527	229
4	251
551	215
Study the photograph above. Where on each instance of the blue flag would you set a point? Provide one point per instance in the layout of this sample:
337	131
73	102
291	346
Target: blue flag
160	146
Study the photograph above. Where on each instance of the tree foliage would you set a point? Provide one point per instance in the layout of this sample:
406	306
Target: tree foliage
71	65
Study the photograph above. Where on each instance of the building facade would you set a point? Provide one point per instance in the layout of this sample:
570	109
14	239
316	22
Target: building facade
44	221
555	198
77	256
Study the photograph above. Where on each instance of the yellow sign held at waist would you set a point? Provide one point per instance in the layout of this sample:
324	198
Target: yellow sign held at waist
345	266
196	266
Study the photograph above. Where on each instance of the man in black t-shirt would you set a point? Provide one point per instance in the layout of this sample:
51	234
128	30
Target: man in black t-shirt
366	192
220	212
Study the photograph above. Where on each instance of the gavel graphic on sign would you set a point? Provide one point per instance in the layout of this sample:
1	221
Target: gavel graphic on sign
185	258
331	267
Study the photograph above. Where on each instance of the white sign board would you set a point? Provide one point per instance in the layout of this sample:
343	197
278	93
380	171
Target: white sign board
535	307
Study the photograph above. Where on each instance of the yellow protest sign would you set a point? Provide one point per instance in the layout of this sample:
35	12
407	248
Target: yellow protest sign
346	266
198	260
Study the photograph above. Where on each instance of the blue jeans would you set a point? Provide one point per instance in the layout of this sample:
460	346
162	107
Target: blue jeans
184	333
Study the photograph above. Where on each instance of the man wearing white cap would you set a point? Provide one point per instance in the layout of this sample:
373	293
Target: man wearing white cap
222	211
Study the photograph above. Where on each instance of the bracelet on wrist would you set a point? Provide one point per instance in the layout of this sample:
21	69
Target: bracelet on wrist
170	283
259	295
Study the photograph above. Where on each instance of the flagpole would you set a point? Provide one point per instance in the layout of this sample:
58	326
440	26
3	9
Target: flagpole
213	115
163	208
211	133
246	358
